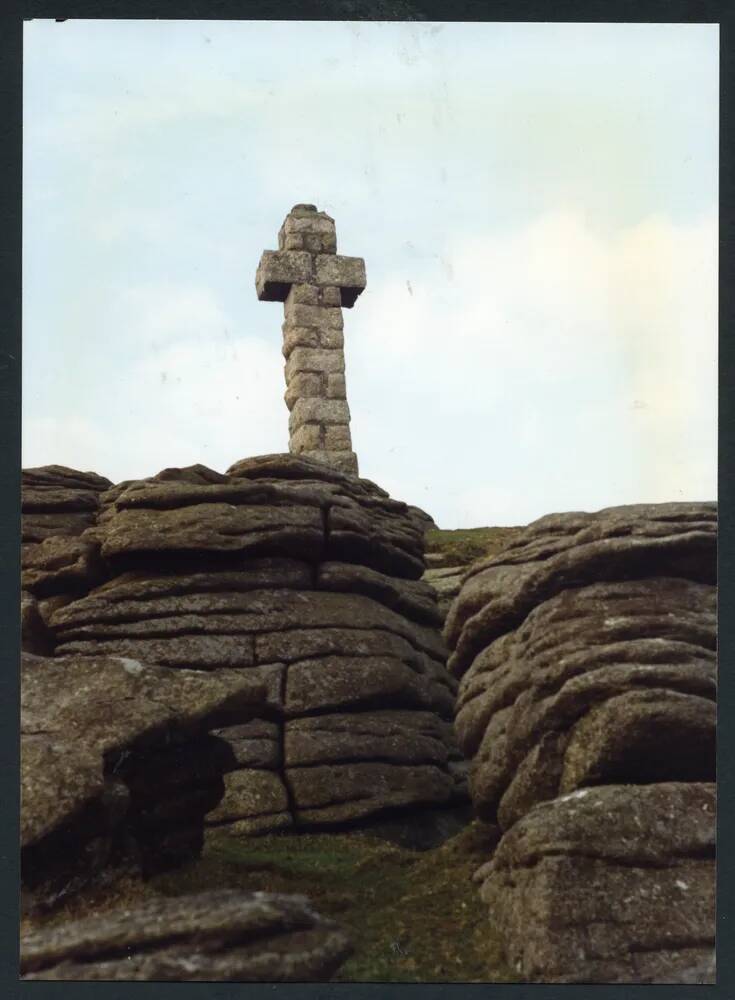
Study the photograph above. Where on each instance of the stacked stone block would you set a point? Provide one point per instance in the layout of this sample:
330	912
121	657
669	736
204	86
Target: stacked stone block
314	283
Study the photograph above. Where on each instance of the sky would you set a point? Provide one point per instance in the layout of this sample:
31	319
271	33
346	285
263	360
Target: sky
536	205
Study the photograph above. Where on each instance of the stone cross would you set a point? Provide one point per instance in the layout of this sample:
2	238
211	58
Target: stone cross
313	282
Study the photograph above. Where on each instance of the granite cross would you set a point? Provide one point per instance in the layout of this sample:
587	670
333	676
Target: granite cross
313	282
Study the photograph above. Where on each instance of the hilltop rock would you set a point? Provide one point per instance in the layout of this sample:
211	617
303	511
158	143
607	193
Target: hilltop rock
224	936
305	579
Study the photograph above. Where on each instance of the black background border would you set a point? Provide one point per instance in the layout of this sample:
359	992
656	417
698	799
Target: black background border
12	16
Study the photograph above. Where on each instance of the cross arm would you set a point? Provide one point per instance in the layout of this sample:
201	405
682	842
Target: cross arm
279	269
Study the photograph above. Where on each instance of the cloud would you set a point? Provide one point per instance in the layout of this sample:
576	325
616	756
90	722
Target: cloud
558	369
543	368
165	313
189	387
539	326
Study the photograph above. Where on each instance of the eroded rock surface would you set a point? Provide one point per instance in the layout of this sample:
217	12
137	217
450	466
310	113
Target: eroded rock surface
570	550
610	884
116	756
58	505
586	657
213	936
305	579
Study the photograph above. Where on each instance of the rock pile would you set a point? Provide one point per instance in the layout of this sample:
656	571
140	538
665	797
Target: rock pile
306	580
586	653
224	936
117	767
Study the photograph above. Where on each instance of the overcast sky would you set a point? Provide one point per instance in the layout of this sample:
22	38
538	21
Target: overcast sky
536	205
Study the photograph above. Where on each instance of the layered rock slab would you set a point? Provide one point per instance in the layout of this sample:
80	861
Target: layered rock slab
609	680
305	579
571	550
213	936
610	884
586	657
116	754
58	505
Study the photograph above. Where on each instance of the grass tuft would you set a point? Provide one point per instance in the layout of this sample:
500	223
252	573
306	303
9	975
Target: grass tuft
412	916
462	546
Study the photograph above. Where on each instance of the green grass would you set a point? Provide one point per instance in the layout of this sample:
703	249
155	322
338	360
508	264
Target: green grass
412	917
462	546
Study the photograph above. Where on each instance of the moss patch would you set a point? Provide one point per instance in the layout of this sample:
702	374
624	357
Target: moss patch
462	546
412	916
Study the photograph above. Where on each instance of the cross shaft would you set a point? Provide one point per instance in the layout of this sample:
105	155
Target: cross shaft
314	283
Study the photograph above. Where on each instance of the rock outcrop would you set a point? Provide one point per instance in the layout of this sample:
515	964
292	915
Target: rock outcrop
610	884
58	505
58	561
117	765
305	579
586	657
213	936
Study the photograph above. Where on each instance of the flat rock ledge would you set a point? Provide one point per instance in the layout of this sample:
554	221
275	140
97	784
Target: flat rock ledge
224	936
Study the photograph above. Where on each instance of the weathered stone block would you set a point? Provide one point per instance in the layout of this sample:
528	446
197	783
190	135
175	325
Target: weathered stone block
255	744
322	316
316	244
293	242
340	793
300	336
308	224
337	437
306	437
345	461
304	295
347	273
314	295
303	384
307	359
330	338
278	270
314	231
608	884
319	411
336	388
250	792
